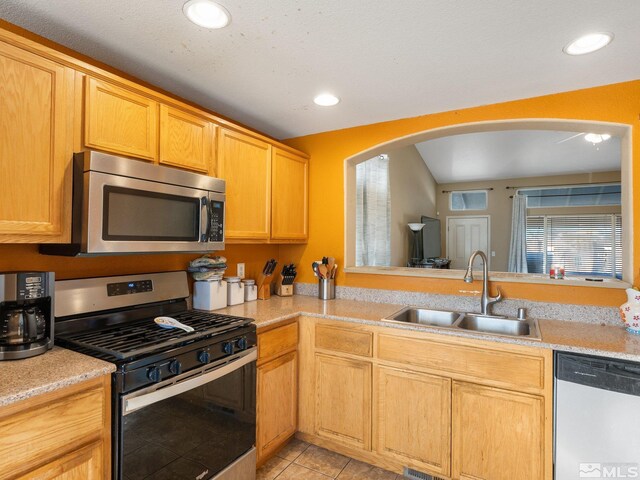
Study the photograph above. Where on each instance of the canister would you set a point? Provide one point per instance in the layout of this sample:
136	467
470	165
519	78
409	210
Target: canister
209	295
250	290
235	291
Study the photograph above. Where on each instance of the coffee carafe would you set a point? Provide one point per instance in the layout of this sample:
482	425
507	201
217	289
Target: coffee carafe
26	314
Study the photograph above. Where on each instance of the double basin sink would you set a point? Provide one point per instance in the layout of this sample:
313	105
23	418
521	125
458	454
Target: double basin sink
488	324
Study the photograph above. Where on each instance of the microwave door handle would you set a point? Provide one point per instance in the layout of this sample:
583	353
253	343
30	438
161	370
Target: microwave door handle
205	221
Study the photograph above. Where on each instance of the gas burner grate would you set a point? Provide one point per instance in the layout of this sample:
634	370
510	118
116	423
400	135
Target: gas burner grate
144	336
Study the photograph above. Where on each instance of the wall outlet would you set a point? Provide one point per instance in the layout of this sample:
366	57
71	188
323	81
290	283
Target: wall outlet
240	270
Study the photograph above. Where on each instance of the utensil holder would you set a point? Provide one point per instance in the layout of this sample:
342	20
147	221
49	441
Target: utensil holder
326	288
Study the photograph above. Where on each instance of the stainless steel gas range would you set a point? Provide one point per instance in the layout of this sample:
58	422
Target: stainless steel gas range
183	402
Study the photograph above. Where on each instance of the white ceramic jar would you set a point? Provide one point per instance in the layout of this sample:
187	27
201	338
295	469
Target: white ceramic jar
250	290
235	291
209	295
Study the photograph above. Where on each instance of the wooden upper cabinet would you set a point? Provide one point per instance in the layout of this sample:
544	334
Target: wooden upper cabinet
290	199
186	141
245	163
414	419
497	434
120	121
36	98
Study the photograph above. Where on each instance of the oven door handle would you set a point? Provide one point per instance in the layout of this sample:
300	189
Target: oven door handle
132	402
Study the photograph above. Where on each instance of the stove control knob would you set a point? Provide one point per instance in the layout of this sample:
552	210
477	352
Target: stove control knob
175	367
153	374
228	348
204	357
241	343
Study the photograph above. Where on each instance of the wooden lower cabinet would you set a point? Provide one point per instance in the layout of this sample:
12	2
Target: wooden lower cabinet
453	408
497	434
414	419
65	434
82	464
277	393
343	400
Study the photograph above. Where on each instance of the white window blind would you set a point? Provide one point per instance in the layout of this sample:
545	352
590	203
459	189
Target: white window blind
585	244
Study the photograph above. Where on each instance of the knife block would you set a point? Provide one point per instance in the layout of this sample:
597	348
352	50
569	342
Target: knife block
283	290
264	287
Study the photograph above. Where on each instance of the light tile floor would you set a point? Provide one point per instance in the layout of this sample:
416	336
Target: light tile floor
302	461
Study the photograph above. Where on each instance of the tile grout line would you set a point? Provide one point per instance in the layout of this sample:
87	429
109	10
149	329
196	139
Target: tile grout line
345	466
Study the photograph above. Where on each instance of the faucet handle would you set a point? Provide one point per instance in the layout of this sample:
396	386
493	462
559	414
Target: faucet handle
496	299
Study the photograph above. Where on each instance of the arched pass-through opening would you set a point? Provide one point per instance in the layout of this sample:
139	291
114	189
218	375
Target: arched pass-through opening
622	131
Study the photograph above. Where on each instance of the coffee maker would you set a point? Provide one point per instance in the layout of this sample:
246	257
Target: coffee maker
26	314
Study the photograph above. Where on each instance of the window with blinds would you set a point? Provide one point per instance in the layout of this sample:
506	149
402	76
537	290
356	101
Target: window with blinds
587	245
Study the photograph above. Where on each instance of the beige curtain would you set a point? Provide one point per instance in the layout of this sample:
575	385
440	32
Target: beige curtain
373	212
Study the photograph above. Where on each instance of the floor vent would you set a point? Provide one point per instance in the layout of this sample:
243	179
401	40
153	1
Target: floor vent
411	474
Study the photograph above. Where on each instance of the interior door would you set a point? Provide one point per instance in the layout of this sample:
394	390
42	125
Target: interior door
464	235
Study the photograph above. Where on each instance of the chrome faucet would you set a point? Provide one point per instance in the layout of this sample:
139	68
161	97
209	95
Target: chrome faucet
485	300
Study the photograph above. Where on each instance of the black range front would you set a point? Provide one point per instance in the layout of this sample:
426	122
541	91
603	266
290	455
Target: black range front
191	425
183	402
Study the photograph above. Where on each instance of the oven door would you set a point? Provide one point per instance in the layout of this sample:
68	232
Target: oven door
129	215
198	425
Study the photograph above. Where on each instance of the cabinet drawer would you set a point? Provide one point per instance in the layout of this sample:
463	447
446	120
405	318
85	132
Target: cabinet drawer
344	340
277	341
495	366
48	430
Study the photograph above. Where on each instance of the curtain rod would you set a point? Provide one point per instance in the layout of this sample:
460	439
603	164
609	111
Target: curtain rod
473	190
569	195
533	187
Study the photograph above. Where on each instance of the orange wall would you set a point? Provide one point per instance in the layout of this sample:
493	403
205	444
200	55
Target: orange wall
619	103
26	257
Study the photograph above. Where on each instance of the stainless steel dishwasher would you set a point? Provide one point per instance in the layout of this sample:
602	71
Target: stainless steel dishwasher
597	418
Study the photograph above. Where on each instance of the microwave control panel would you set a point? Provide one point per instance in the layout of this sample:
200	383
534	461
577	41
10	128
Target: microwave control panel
217	221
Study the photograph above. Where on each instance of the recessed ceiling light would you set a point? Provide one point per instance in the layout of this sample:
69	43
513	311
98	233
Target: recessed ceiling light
326	100
588	43
206	13
597	137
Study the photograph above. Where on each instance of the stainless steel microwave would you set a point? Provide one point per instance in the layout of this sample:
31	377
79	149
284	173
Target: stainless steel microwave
129	206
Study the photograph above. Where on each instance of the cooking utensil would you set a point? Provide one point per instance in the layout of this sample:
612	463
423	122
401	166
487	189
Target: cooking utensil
322	269
168	322
330	263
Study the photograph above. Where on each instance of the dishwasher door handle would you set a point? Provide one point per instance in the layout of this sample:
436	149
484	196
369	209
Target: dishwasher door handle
625	372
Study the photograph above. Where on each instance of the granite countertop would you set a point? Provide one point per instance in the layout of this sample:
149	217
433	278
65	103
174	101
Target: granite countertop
58	368
55	369
588	338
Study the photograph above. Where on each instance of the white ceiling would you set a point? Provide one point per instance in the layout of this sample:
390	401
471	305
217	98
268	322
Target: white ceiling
385	59
516	154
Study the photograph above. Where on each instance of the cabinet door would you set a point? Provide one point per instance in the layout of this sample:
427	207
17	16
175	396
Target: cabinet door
277	403
120	121
290	197
497	434
343	400
245	163
414	419
36	98
186	141
83	464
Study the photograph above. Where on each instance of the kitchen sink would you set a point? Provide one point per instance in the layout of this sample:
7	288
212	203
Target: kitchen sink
424	316
472	322
510	327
